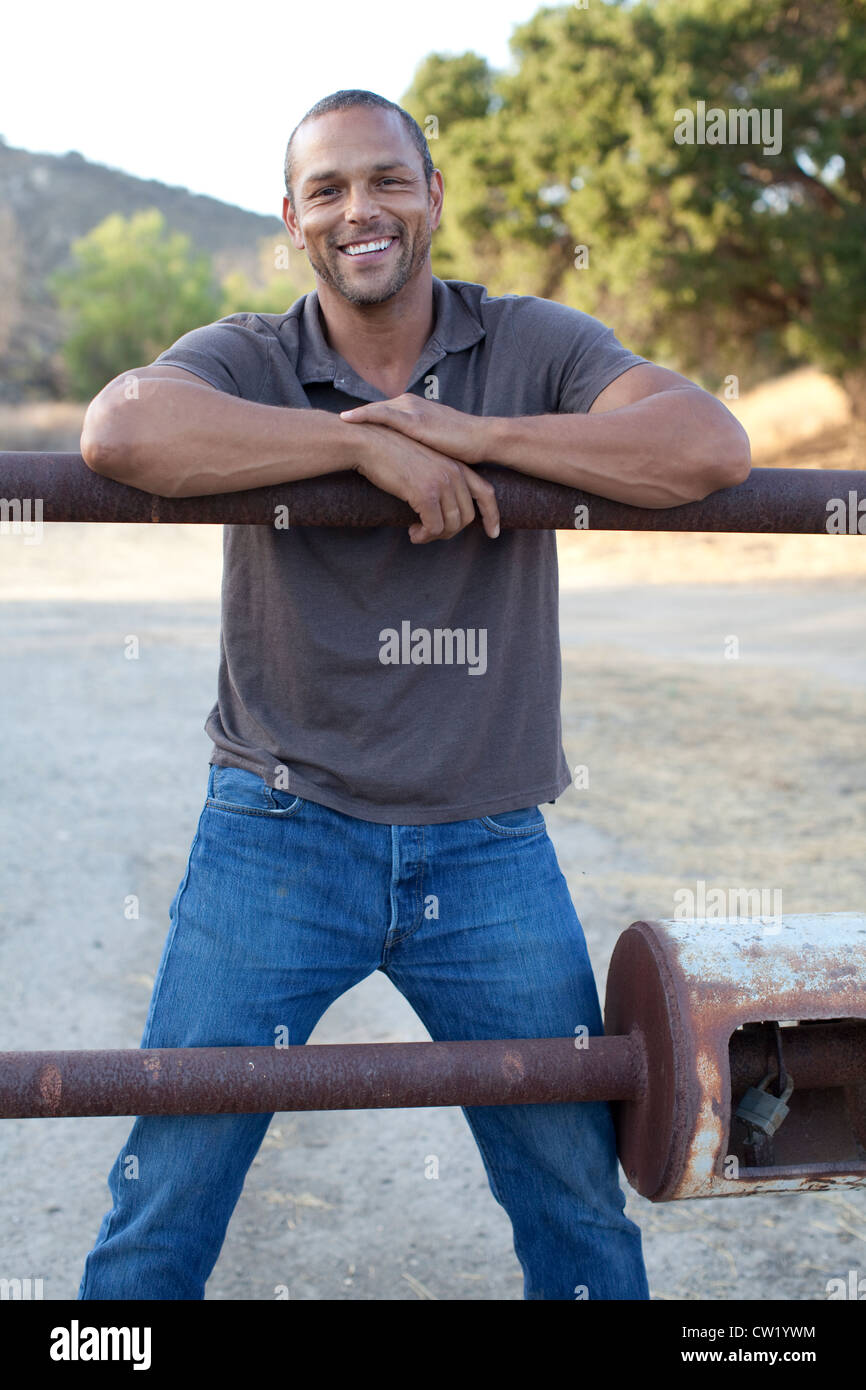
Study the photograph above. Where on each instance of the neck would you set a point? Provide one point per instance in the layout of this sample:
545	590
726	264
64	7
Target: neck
384	337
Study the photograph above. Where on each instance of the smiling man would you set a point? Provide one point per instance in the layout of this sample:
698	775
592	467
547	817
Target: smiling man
384	814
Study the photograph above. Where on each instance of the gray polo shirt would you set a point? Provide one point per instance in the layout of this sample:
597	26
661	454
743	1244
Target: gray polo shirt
401	684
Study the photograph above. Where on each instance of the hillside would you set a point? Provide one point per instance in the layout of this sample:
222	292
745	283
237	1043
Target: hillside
46	202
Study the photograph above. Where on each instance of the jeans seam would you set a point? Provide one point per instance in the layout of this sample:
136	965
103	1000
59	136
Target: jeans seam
511	832
490	1166
157	984
418	884
82	1292
489	822
234	808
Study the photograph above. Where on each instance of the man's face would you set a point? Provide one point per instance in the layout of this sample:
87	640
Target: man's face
358	179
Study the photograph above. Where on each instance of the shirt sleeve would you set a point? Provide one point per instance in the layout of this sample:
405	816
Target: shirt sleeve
229	354
579	354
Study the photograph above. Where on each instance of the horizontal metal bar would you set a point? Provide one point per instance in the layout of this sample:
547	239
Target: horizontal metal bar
339	1076
772	499
362	1076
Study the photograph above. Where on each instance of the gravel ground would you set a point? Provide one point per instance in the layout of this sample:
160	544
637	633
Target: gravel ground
735	771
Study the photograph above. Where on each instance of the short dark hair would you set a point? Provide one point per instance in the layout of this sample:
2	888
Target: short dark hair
344	101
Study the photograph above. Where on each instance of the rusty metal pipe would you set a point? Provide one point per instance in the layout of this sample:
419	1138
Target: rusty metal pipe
786	500
353	1076
361	1076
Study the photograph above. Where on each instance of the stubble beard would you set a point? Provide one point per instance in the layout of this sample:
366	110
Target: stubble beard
410	259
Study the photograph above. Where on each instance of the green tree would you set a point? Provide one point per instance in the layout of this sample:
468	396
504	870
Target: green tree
714	258
452	88
133	289
283	275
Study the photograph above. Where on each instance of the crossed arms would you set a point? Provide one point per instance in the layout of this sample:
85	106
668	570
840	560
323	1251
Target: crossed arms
652	438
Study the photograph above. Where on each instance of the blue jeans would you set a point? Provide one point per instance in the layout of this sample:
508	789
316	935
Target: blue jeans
284	905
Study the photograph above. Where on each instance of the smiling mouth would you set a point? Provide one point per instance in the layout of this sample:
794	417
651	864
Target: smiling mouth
368	250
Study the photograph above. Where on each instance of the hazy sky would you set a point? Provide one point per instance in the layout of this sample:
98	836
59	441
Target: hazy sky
205	95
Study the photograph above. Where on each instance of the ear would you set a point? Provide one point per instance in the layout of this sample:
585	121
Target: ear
437	195
293	226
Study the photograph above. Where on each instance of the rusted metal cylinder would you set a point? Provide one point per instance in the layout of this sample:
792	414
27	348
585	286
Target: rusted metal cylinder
351	1076
689	986
772	499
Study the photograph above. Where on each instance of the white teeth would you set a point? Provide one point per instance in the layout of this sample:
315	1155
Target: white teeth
363	246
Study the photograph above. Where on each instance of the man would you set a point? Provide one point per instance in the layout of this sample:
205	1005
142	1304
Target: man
387	719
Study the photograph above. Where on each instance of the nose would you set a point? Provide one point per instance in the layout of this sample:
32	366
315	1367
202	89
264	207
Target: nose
361	205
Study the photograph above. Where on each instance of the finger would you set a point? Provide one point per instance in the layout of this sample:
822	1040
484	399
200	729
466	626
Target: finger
403	402
485	496
382	410
420	534
388	417
432	521
374	413
455	513
451	512
463	498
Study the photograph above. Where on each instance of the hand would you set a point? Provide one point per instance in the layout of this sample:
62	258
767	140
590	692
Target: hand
453	432
442	490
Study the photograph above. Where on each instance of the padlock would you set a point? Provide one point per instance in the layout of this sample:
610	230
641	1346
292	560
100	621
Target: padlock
763	1111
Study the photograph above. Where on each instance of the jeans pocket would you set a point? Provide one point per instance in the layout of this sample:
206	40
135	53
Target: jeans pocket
239	792
528	820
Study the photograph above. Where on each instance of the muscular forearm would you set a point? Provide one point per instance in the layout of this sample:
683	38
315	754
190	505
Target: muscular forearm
649	454
176	439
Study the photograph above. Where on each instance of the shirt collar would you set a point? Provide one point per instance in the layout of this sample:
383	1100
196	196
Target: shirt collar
455	329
